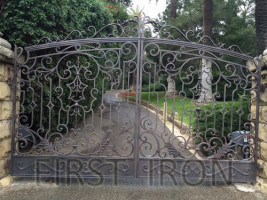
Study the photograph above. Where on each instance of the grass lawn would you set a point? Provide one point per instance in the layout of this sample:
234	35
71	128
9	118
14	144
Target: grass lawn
183	106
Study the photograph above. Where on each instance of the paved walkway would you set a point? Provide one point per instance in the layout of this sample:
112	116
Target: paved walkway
22	190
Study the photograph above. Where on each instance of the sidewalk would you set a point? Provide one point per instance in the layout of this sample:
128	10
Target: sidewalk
26	190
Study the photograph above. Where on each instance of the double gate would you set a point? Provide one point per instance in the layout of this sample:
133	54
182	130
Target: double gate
135	99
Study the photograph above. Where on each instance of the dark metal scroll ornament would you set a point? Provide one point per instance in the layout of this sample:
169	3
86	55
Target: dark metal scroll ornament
70	105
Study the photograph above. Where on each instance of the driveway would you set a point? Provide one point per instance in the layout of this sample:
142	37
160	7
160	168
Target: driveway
156	134
49	191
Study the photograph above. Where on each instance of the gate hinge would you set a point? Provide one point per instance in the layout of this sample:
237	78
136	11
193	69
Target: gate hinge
259	168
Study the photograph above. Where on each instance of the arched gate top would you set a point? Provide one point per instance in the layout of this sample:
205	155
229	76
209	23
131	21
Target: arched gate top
140	29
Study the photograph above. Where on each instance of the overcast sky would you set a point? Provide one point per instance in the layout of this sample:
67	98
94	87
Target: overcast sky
150	9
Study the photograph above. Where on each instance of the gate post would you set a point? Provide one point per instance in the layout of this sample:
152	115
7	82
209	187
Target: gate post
6	72
262	134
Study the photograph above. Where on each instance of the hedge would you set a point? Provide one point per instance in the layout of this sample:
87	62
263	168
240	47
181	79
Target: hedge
218	120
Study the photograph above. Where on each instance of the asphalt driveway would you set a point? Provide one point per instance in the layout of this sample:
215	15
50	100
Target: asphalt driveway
25	190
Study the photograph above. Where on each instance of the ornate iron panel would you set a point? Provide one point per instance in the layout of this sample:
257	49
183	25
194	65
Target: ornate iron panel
189	117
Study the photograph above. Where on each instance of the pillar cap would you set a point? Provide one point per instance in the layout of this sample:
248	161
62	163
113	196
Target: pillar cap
6	54
3	42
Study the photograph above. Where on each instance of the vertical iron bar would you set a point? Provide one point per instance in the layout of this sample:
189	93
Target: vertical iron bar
259	65
138	100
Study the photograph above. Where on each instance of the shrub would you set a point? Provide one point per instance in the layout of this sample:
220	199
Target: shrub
25	22
158	87
128	93
190	91
216	121
187	91
58	109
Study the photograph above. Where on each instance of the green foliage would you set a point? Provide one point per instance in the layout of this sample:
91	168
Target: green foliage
233	21
222	89
218	120
183	106
120	2
187	90
117	9
157	87
235	24
24	22
55	98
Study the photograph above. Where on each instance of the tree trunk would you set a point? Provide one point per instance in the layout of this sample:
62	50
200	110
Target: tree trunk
207	19
2	4
173	8
206	68
134	81
261	25
206	82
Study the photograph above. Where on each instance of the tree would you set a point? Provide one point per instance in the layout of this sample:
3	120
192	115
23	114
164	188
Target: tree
118	9
136	11
122	2
24	22
133	76
173	9
233	22
2	3
207	20
206	90
206	69
261	25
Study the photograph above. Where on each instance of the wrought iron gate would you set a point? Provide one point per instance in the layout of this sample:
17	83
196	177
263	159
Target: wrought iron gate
135	99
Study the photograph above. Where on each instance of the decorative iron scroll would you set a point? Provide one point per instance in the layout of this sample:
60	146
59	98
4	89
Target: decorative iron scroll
71	87
140	27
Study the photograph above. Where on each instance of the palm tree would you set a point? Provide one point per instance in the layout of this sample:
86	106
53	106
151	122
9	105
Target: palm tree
206	89
173	9
135	11
206	73
261	25
207	19
133	76
2	2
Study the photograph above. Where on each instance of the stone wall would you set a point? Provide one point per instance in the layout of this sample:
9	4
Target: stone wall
262	149
6	73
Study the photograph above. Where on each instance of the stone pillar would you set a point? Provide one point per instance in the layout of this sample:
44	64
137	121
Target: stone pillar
6	66
262	149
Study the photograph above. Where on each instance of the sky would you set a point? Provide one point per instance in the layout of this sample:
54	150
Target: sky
151	9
